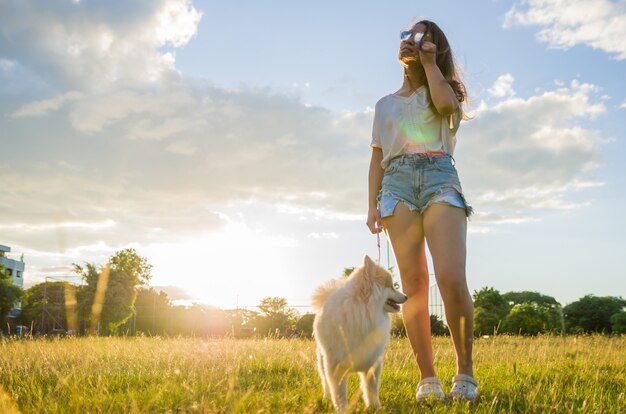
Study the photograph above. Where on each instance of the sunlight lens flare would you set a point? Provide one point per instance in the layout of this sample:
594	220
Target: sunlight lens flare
98	302
462	330
7	403
416	136
70	307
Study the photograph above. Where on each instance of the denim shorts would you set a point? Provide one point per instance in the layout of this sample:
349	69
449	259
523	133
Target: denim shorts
419	180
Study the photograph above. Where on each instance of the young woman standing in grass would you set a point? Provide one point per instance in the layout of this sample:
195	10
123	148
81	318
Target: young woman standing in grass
416	196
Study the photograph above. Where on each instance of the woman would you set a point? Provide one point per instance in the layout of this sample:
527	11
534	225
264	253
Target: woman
415	195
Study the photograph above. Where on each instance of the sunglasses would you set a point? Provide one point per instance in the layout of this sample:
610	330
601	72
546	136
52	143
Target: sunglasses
406	35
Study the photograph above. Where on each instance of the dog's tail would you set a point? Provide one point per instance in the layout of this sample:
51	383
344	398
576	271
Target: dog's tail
323	292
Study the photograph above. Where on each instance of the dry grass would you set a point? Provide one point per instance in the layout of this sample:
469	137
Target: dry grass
535	375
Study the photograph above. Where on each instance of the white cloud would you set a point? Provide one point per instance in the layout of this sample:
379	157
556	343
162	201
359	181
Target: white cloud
182	148
600	24
59	225
236	145
92	45
503	86
6	64
177	23
43	107
328	235
527	155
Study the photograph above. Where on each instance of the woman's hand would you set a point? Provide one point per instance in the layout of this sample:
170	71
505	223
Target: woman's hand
427	53
374	221
424	52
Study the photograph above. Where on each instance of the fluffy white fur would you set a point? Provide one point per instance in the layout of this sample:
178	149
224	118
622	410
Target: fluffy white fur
352	328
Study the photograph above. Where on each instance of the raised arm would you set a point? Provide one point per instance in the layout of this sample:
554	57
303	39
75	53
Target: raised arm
441	92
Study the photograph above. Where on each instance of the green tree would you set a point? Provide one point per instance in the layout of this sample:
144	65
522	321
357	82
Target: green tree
305	324
90	274
44	306
241	322
133	266
152	312
526	319
438	327
592	313
124	273
9	295
618	322
547	307
199	320
347	271
274	316
490	311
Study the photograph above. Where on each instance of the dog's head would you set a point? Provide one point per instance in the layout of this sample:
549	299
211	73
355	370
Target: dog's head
377	285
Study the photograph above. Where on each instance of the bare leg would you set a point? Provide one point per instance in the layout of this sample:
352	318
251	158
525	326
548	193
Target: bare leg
369	384
445	228
407	238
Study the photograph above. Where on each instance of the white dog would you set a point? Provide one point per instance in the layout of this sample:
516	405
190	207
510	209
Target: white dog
352	328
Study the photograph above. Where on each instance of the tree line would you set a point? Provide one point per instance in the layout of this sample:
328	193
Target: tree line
116	300
102	304
531	313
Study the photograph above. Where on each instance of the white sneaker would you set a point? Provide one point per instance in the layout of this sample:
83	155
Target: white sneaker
464	388
429	388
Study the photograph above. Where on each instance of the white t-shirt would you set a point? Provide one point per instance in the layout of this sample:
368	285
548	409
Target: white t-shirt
409	125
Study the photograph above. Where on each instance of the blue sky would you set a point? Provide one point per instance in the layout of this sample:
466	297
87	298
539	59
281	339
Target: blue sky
228	142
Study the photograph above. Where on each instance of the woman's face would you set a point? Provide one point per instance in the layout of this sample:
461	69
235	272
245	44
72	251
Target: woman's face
409	46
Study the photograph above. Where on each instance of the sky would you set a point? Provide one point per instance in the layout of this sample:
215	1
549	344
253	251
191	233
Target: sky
228	142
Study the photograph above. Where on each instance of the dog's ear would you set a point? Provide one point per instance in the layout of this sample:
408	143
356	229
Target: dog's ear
367	277
370	266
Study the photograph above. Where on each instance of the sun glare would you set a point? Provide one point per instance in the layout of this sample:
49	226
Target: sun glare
235	266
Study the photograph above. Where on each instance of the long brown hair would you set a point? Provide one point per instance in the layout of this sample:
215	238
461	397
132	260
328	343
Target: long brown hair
445	60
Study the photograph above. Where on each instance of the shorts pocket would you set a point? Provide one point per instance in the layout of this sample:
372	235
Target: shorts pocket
387	202
452	195
391	168
444	164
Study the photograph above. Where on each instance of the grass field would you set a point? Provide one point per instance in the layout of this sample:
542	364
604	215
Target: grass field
537	375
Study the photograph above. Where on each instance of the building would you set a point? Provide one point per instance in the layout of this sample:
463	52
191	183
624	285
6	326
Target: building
15	269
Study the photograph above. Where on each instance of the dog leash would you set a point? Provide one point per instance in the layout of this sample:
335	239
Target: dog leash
378	243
